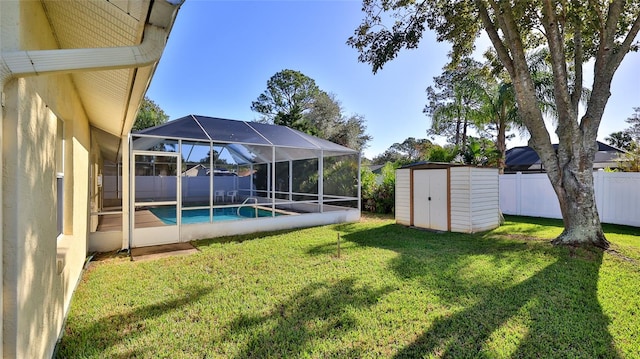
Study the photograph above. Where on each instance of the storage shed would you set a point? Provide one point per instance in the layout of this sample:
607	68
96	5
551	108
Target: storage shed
447	197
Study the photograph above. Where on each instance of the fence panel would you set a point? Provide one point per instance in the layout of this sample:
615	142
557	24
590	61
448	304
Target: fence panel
617	196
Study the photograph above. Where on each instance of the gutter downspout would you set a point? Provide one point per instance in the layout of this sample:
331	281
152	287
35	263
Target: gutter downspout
16	64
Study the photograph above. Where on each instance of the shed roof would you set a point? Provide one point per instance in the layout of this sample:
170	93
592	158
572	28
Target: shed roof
437	165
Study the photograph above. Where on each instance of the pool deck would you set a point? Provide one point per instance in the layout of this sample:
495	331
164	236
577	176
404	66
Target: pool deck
146	219
113	222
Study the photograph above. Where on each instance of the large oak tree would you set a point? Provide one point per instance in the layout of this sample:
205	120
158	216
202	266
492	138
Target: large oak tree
574	31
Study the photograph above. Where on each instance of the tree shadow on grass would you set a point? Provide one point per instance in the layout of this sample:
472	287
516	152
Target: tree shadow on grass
320	311
96	338
606	227
548	309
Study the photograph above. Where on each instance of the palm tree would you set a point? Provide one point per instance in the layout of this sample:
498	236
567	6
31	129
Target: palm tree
500	114
454	106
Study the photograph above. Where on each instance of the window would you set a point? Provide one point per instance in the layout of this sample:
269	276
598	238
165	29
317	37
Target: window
60	175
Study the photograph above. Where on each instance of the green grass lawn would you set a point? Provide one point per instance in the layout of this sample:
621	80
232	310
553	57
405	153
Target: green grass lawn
394	292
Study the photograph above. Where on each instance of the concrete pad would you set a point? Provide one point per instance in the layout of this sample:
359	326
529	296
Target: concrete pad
162	251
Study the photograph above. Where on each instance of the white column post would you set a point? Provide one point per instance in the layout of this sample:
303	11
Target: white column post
321	181
128	212
273	181
359	184
290	180
179	190
211	176
269	169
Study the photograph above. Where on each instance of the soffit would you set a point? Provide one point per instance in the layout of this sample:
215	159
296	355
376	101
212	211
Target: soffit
105	95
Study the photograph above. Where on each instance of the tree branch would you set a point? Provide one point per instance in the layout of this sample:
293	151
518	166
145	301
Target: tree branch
514	41
578	57
606	64
525	90
613	16
492	32
626	44
559	67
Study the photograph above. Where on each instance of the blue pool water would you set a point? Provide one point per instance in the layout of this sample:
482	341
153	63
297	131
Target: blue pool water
168	215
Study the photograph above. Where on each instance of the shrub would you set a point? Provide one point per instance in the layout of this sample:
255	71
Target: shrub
378	192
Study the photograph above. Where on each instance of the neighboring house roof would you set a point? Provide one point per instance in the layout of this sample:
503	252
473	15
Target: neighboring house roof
202	170
377	169
525	158
197	170
248	142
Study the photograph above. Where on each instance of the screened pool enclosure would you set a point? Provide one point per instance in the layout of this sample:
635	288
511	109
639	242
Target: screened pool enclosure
199	177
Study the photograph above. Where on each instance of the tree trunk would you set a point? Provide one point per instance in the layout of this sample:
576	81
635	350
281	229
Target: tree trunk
501	143
578	205
570	169
464	134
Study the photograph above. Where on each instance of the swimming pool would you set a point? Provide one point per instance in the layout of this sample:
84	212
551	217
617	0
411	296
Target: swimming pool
168	215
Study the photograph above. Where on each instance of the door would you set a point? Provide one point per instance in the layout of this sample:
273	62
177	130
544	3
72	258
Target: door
430	194
155	191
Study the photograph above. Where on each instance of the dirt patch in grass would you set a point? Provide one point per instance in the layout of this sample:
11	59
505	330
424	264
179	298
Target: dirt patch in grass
523	237
617	254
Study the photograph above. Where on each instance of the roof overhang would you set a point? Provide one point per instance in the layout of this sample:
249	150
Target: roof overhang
110	98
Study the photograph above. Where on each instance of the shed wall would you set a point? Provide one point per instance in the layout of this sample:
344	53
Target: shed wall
474	199
403	197
485	199
460	199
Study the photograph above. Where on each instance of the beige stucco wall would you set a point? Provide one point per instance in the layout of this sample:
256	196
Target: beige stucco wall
40	268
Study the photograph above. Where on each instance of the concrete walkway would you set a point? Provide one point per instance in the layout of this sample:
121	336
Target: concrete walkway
162	251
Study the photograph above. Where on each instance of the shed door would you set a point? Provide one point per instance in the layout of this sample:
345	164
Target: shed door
430	199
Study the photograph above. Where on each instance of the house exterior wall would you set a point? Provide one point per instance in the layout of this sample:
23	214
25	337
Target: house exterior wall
40	268
403	199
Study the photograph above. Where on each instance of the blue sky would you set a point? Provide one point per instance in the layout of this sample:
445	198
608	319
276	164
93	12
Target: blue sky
221	53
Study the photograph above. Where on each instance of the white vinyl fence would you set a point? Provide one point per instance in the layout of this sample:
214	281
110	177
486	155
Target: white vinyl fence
164	187
617	196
